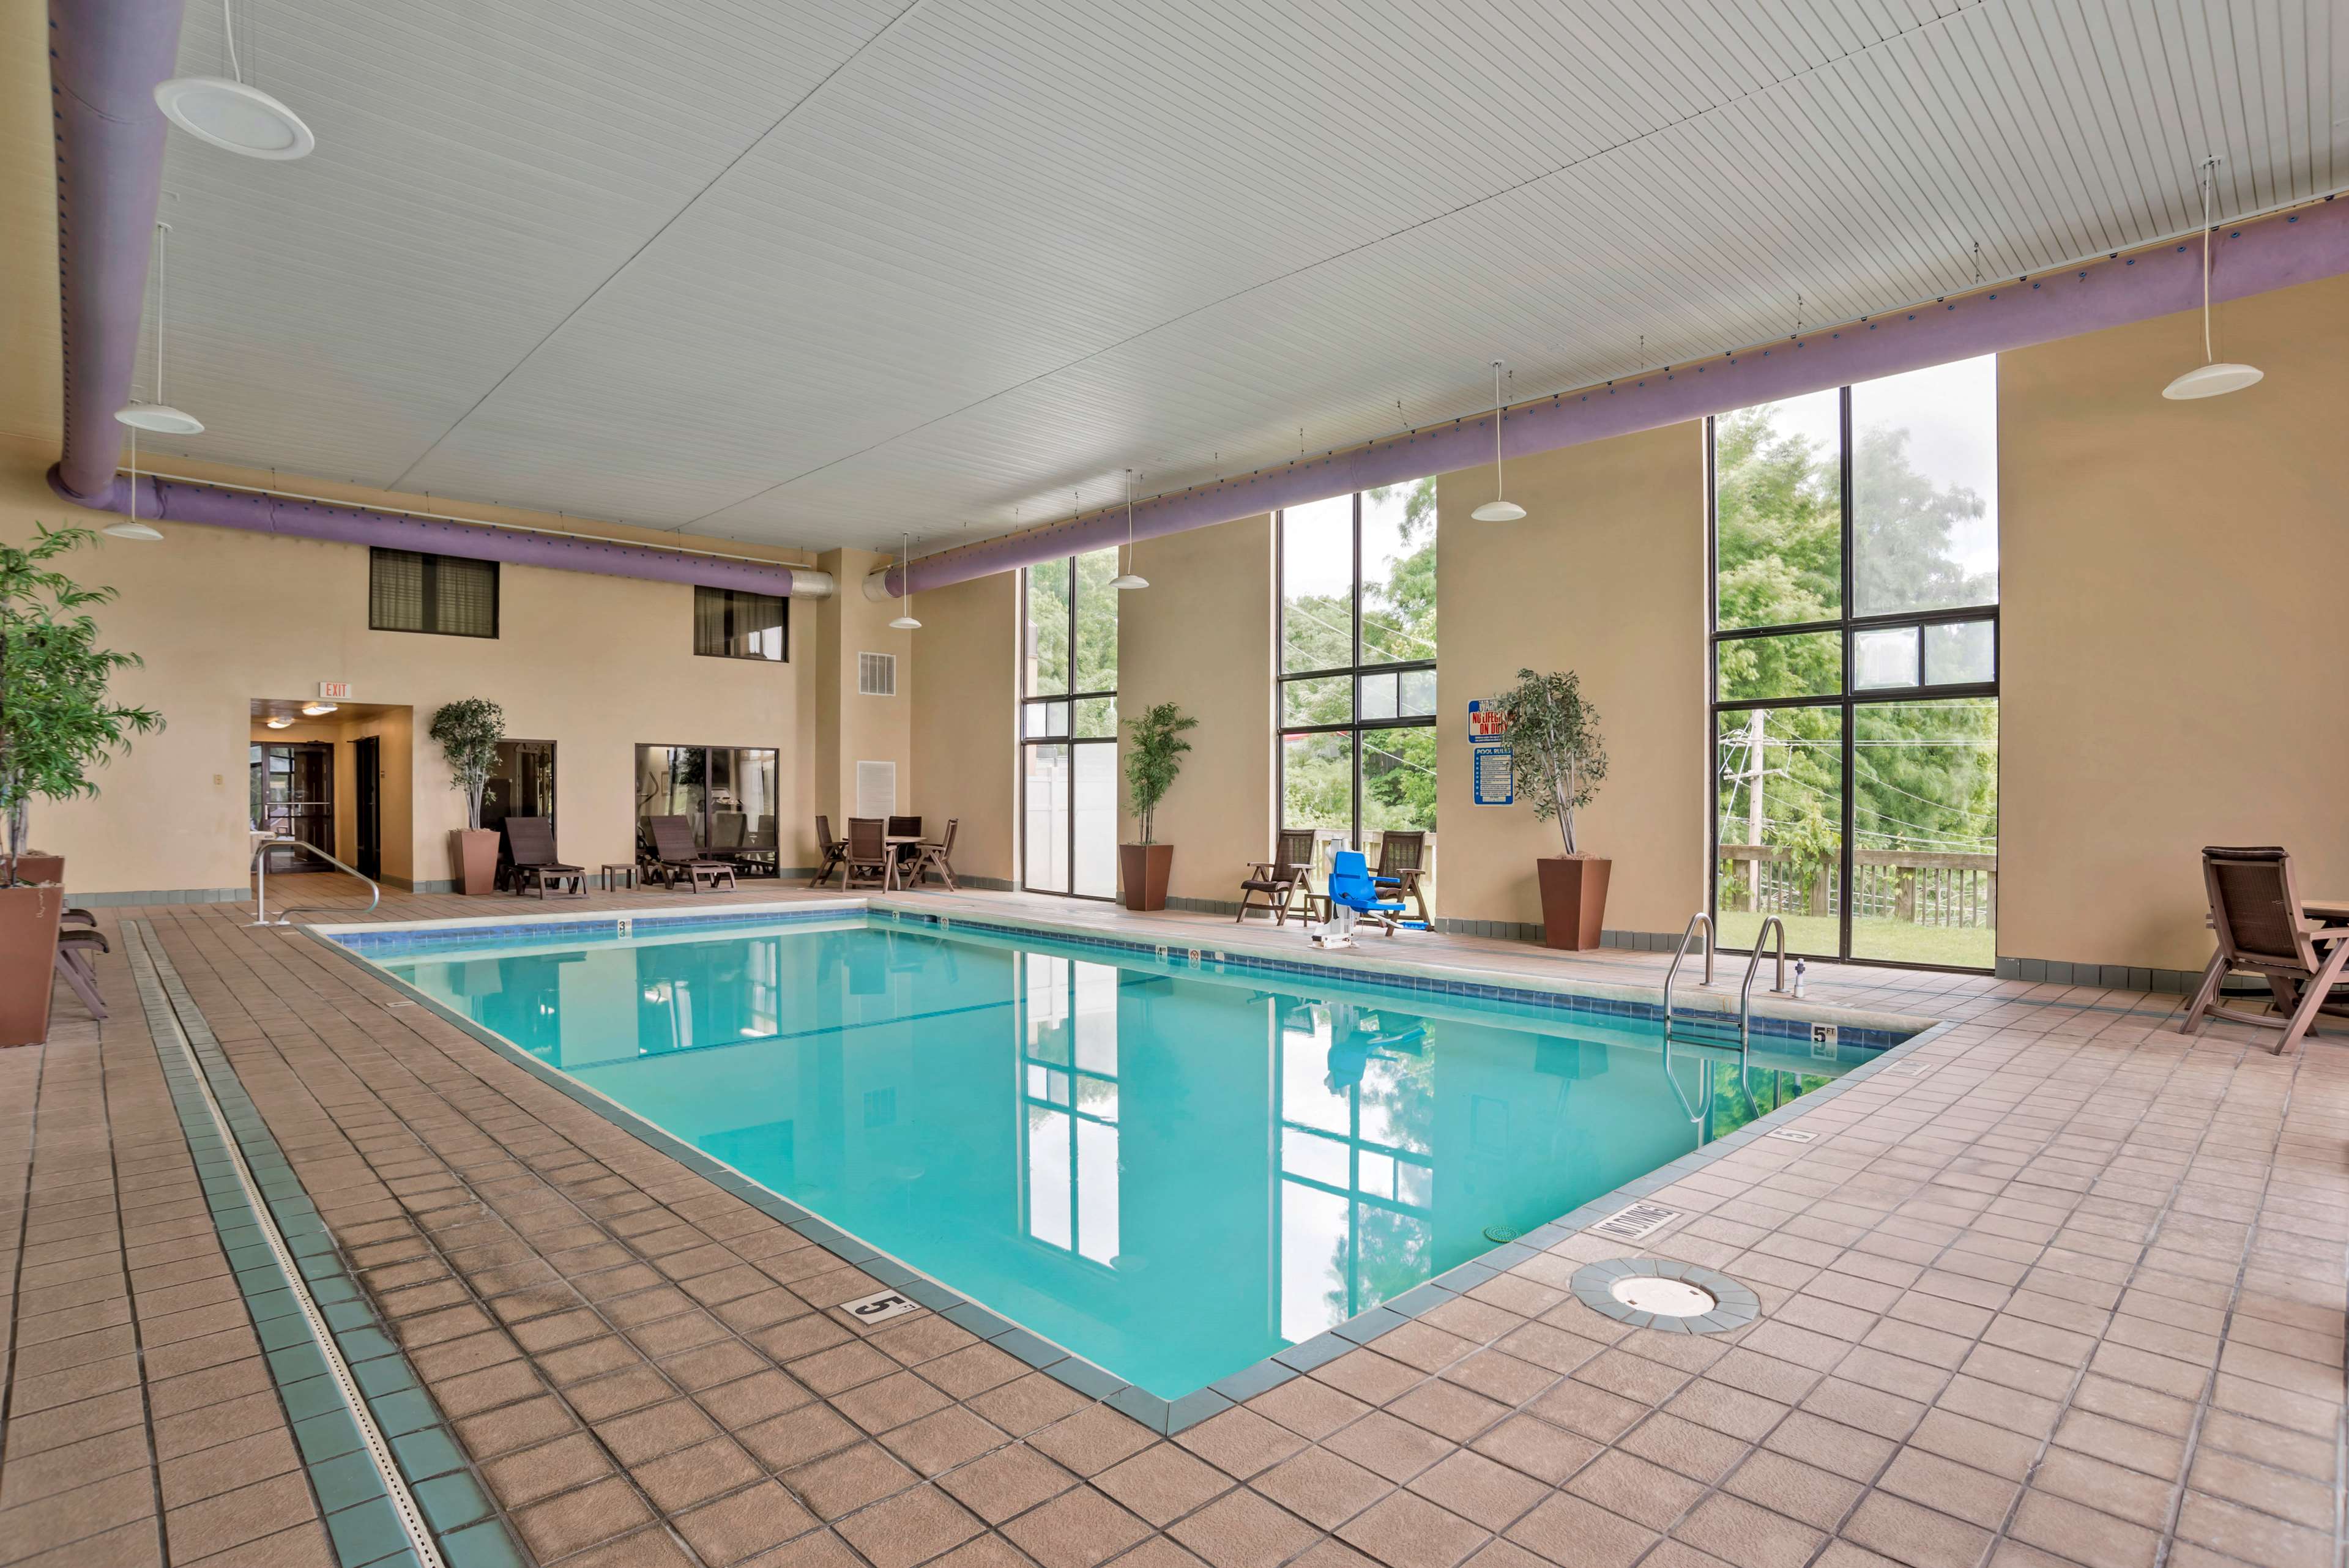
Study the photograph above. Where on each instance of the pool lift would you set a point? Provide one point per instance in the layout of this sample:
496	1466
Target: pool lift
1353	893
1358	1036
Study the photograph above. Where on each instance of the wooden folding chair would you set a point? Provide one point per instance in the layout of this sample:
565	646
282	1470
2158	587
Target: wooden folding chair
2255	912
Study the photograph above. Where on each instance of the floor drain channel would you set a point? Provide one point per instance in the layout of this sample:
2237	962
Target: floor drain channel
161	1010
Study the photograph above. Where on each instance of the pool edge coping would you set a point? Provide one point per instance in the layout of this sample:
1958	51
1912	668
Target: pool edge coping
1160	1415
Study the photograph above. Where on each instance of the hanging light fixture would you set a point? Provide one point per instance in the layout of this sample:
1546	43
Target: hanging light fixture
2213	377
1127	581
1497	510
133	528
159	416
904	621
228	114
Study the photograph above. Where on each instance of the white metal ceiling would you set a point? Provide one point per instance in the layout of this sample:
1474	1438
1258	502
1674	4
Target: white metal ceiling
813	272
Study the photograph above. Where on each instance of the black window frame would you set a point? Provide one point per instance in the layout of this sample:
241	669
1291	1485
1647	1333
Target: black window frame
1354	671
1847	700
734	596
1069	700
431	605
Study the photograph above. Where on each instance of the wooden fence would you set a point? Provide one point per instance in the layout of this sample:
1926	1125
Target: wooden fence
1913	887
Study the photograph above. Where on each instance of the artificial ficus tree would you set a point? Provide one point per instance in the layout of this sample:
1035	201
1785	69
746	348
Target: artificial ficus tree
1154	760
1557	754
58	721
469	731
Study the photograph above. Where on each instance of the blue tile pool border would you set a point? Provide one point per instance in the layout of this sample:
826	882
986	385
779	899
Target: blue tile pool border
353	1503
1094	1382
387	942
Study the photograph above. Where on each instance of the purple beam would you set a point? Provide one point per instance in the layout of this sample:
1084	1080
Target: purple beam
2292	248
106	58
175	500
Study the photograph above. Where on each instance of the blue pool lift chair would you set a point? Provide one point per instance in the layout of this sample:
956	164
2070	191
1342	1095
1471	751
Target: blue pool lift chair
1353	898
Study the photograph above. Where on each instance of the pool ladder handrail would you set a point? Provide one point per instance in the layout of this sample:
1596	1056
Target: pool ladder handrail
1753	963
1698	919
285	917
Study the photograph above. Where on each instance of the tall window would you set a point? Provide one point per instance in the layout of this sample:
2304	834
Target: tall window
452	595
1854	639
1358	668
1068	725
729	623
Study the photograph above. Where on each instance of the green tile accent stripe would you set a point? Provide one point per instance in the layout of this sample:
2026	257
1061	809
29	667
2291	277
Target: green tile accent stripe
388	1477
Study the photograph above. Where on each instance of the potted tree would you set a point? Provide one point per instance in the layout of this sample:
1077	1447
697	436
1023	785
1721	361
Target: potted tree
468	730
55	725
1151	763
1559	760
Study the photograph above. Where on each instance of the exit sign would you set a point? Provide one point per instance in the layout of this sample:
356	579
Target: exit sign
334	691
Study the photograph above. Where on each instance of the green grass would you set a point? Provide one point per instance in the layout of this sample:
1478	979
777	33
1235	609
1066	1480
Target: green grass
1968	947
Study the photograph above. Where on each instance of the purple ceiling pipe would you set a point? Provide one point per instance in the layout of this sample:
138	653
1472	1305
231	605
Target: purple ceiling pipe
176	501
106	58
2289	248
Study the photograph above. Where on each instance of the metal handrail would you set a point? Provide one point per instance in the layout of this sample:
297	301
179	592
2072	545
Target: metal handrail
285	917
1753	963
1699	918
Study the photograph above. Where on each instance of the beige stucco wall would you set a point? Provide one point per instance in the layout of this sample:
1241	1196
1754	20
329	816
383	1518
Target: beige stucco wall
2175	582
962	719
595	664
851	728
1201	636
1605	576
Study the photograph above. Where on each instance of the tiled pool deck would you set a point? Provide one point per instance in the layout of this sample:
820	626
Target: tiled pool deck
2072	1294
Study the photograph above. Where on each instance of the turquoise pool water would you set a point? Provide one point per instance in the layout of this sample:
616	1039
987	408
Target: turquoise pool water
1171	1172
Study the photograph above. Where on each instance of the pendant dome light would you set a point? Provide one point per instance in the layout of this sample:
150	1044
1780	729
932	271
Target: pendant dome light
229	114
1497	510
133	528
2213	377
904	621
159	416
1127	581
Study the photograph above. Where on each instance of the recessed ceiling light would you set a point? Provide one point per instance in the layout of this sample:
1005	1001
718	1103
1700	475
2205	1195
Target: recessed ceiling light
231	114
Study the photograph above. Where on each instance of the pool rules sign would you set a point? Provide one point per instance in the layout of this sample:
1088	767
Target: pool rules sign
1492	762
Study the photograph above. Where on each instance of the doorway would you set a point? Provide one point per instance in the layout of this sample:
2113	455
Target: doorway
293	791
366	804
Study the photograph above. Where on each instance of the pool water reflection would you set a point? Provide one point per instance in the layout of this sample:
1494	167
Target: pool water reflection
1172	1174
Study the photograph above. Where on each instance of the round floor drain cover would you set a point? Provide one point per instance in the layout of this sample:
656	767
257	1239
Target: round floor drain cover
1665	1294
1500	1232
1662	1297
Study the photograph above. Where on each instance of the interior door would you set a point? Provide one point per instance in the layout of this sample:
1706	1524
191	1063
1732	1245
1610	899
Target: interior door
296	786
366	756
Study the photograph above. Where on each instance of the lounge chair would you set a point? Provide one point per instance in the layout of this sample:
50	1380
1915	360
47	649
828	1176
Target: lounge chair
935	855
1279	878
74	965
1403	861
834	851
530	843
868	854
674	856
2255	910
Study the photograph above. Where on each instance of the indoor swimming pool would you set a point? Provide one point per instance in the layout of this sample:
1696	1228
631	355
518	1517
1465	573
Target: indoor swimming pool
1173	1169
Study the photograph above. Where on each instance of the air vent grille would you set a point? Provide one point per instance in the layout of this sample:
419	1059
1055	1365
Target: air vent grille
876	675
